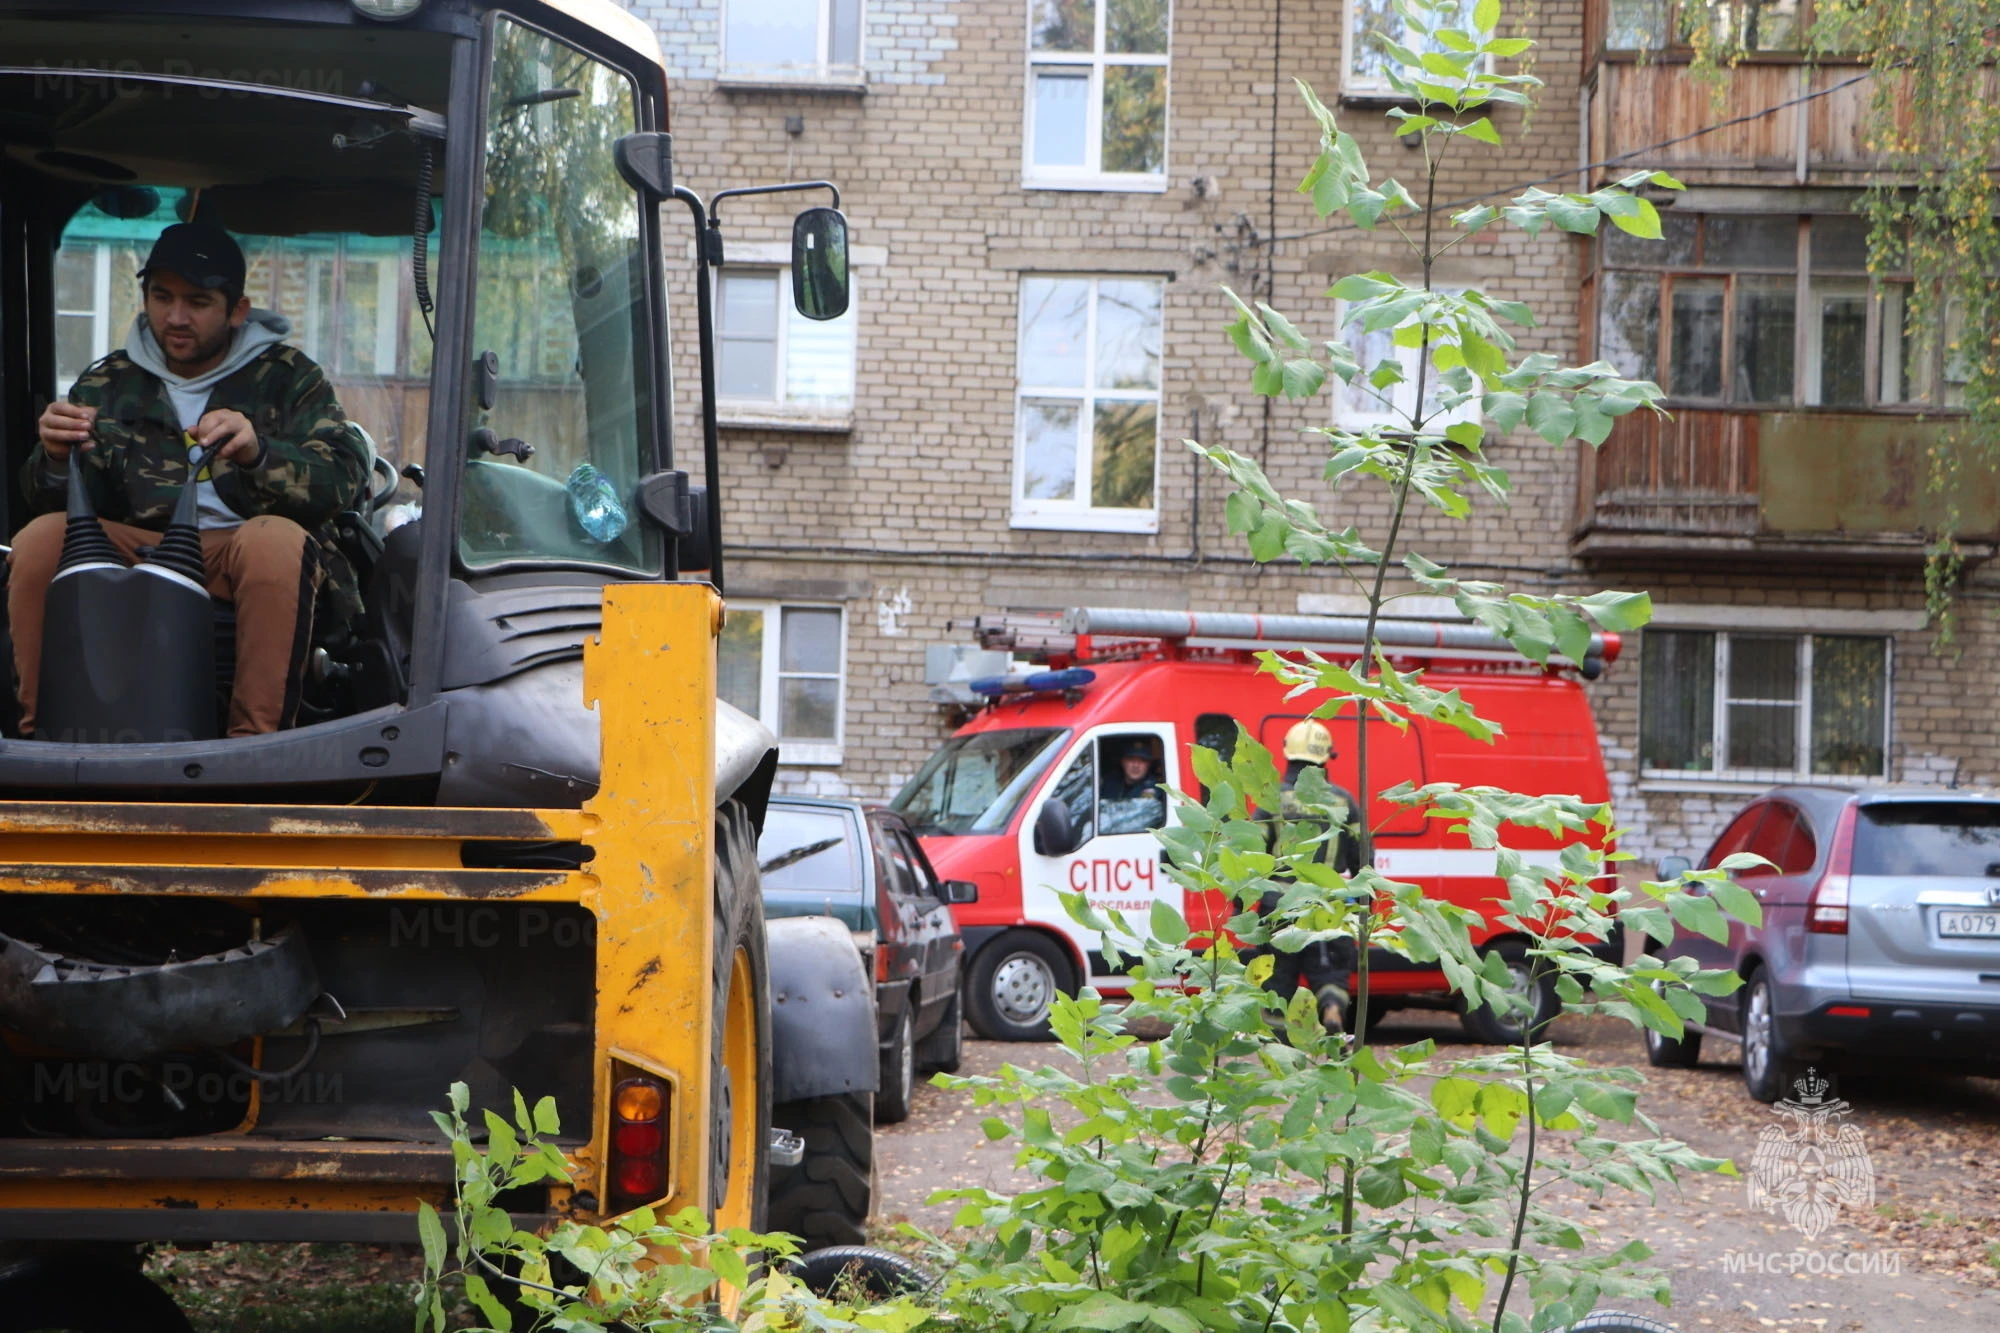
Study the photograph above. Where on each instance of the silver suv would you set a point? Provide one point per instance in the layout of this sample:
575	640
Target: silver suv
1880	941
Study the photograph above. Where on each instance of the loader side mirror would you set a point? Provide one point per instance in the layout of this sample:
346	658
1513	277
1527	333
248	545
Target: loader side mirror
819	263
1055	831
958	892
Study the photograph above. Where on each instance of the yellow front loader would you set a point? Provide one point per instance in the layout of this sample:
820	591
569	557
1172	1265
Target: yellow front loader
511	840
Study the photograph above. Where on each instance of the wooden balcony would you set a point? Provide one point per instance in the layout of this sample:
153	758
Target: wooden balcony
1820	487
1633	104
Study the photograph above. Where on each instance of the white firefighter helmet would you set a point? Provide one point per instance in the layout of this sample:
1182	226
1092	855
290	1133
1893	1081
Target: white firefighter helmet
1309	741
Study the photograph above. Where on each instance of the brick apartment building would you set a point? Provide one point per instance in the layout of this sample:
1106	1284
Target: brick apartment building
1046	196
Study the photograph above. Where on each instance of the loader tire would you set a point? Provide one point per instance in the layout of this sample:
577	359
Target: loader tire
740	1036
826	1199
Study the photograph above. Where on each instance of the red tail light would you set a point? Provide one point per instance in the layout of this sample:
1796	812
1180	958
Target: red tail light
638	1142
1826	908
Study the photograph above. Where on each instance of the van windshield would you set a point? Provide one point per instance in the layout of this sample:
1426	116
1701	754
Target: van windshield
1955	838
975	783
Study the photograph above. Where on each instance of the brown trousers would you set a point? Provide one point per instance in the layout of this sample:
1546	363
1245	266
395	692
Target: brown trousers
261	567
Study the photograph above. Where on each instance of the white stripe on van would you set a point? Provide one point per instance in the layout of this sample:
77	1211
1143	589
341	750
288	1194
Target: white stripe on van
1459	863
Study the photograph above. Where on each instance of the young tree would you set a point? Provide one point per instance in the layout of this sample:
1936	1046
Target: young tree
1305	1181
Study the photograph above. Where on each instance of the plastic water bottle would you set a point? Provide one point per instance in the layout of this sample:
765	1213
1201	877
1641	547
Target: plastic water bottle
593	500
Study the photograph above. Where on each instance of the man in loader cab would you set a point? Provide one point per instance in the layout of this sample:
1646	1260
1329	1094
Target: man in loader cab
202	369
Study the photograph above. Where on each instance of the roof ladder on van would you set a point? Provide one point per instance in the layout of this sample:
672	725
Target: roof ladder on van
1099	633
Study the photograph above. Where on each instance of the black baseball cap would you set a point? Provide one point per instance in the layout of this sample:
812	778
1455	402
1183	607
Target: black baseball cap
201	252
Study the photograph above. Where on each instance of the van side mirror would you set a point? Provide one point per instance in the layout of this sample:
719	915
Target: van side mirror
819	263
958	892
1673	867
1055	831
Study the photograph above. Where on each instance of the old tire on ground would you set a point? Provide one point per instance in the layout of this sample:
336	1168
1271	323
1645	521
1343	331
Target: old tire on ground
942	1051
740	1039
825	1199
1506	1030
899	1074
1769	1065
1012	984
85	1296
881	1275
1612	1322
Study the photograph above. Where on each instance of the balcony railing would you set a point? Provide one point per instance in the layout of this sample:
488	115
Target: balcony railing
1715	484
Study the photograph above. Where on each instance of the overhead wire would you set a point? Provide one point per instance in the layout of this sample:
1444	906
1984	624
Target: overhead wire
1646	151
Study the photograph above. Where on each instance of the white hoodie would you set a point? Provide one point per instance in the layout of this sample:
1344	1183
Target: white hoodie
190	393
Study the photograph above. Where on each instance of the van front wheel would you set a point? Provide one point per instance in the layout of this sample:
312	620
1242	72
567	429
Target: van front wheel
1012	985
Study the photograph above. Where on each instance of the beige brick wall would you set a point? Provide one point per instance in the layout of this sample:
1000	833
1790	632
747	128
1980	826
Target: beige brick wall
916	496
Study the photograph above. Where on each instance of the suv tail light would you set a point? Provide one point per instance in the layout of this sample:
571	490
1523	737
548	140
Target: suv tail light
1826	908
638	1143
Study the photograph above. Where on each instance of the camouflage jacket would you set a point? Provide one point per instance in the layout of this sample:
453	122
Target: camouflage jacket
315	461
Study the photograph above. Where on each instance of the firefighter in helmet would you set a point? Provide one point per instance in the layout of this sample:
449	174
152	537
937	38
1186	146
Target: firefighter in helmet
1324	967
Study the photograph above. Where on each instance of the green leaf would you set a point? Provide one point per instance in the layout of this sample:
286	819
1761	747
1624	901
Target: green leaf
1167	924
546	1120
1506	409
1482	130
1362	286
728	1265
1486	15
1573	214
431	1231
1454	1097
1302	377
1550	417
1738	901
482	1296
1698	912
1507	47
1465	434
1619	611
1645	224
1286	331
1102	1310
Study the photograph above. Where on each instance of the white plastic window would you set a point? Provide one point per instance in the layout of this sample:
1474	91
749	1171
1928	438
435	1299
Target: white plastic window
785	664
771	358
1097	94
802	41
1086	435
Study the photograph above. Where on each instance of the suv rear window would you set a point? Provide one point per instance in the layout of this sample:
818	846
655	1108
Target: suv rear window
1957	838
808	851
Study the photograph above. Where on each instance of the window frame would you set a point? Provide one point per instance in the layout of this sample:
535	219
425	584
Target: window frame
1360	419
825	73
1091	175
1674	41
1374	92
780	410
1808	285
796	753
1801	703
1080	514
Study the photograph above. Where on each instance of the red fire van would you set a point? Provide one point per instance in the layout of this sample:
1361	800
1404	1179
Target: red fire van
1121	684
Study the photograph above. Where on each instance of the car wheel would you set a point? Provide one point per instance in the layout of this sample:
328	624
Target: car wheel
899	1074
826	1199
944	1049
1667	1053
1768	1064
1013	984
1482	1024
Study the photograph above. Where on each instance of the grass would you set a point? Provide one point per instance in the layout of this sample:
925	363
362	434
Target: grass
303	1288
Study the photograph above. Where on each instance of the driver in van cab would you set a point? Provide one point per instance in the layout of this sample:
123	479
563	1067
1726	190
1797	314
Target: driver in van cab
202	368
1133	779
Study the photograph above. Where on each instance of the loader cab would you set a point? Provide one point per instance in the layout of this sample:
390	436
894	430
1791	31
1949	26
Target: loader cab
461	215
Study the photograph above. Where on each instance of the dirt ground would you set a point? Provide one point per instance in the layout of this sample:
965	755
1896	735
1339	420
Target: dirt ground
1933	1142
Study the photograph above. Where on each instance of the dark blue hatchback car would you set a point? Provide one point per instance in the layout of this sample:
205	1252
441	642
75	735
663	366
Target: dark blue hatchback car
863	867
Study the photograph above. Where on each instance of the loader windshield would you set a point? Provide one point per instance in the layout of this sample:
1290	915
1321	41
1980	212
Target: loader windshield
562	311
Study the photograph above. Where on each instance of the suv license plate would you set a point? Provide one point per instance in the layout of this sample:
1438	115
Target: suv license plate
1974	924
